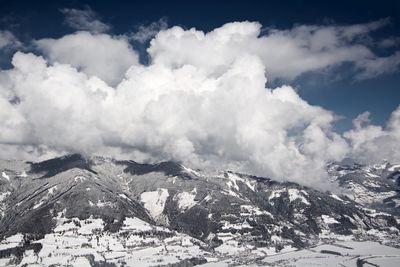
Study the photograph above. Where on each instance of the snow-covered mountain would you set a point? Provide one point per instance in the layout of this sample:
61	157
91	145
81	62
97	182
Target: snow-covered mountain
105	212
375	186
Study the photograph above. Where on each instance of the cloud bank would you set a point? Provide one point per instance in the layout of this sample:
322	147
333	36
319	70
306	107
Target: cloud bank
202	100
286	54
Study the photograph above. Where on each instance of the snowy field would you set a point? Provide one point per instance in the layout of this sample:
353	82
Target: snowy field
81	243
344	254
77	242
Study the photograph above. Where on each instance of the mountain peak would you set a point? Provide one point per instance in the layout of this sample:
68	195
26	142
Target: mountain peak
54	166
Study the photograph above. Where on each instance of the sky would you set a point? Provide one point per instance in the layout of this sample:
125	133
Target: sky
275	88
334	91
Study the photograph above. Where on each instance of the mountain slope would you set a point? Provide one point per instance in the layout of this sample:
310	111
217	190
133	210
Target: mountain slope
374	186
101	211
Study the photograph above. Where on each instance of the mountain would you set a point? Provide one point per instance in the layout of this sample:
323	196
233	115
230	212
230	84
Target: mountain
104	212
375	186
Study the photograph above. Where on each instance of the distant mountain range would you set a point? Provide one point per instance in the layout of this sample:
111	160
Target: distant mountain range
73	211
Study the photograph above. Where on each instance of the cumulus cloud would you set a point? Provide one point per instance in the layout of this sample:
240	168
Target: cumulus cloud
84	19
181	114
107	57
285	53
374	143
202	100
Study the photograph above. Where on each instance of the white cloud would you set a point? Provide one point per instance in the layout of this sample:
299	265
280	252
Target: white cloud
389	42
54	109
373	143
230	121
202	100
375	66
145	33
8	40
285	53
102	55
84	19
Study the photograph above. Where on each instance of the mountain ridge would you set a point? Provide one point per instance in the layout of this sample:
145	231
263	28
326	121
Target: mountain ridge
219	213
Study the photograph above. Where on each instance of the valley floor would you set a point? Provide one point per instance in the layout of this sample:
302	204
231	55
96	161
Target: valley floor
345	254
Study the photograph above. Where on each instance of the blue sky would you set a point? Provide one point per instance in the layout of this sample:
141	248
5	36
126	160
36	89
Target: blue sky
334	90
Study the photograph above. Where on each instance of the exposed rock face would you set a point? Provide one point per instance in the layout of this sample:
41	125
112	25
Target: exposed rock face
123	212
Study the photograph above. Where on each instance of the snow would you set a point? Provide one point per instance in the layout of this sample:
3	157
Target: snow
247	210
237	226
296	194
189	170
371	175
12	241
251	184
371	184
350	251
230	247
374	213
293	195
135	224
15	238
52	190
29	258
382	166
154	201
4	174
37	205
101	203
137	243
81	262
276	194
80	178
186	200
231	193
65	226
327	234
396	202
4	195
328	219
124	197
214	264
365	196
90	226
233	179
207	198
394	167
336	197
